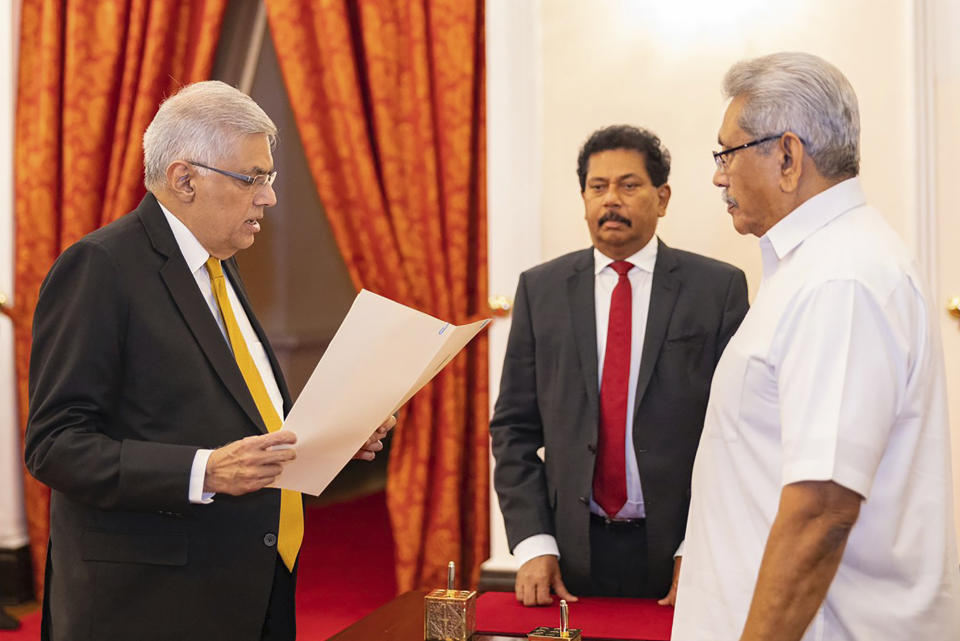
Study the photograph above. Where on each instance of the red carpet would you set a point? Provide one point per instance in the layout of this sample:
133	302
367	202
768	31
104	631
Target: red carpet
29	629
346	566
346	569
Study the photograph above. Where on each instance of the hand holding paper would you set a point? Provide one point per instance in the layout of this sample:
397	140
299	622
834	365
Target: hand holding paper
375	443
383	353
249	464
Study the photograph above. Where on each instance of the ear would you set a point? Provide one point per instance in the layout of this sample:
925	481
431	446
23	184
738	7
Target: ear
180	177
792	155
663	198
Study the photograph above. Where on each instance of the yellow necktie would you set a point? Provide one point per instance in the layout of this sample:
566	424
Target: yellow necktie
290	532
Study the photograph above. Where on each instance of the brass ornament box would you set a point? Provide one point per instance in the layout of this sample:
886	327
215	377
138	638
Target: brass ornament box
449	615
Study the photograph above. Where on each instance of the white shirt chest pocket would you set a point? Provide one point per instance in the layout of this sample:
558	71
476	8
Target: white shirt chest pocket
743	395
723	409
759	411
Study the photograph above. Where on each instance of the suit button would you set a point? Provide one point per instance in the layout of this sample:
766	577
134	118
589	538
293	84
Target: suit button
269	539
584	500
592	447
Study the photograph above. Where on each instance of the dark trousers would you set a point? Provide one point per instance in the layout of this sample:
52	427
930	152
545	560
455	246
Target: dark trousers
618	558
281	621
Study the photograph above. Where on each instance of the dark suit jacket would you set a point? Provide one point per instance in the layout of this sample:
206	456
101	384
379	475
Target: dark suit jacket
549	397
129	376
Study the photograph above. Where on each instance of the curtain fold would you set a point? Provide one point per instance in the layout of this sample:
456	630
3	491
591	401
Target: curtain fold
388	96
91	75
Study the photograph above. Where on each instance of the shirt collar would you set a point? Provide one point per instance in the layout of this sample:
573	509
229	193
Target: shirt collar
644	259
193	252
813	214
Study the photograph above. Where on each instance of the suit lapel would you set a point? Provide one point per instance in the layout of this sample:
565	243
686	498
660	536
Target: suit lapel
580	296
663	295
183	288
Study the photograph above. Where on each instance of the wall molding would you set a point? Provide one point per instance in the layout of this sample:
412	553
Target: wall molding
926	232
514	96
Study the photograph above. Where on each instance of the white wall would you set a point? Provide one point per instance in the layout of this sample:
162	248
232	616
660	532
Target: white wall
13	525
514	128
944	23
660	65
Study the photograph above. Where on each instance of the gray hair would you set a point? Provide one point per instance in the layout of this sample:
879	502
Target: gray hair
802	93
202	122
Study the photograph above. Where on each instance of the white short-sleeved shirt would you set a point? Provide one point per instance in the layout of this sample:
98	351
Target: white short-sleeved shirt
835	374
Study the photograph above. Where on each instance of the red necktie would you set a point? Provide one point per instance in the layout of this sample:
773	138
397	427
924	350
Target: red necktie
610	474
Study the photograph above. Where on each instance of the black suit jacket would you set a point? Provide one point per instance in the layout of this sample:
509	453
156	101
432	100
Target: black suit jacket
549	397
129	376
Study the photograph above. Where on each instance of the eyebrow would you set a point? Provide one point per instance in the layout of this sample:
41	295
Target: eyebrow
258	170
618	178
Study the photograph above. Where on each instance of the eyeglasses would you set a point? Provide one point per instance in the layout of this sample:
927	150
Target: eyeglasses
721	157
257	181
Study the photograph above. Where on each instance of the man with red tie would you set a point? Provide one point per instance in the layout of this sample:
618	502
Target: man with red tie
608	368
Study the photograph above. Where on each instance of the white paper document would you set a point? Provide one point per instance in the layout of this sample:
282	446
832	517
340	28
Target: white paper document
383	353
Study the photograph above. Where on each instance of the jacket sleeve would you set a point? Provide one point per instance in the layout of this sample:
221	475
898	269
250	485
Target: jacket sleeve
516	430
74	441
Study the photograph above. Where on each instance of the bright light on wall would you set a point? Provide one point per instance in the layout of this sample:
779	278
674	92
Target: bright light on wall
695	25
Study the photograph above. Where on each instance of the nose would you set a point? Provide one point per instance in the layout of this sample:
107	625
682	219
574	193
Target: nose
266	197
720	178
612	195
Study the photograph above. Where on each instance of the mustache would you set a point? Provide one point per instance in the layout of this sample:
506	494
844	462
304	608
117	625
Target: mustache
613	217
730	202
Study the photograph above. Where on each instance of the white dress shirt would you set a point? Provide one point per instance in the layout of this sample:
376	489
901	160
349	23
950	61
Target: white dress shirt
836	374
605	280
196	257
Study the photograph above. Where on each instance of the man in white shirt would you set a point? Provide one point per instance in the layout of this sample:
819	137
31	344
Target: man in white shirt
821	506
155	401
608	368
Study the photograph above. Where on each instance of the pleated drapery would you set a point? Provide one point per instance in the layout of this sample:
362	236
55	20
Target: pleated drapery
388	96
91	76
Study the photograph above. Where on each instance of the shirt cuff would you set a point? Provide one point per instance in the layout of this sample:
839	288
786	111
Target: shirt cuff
534	546
679	551
198	473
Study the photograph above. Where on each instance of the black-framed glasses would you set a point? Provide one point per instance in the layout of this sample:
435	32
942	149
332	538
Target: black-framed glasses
722	157
253	181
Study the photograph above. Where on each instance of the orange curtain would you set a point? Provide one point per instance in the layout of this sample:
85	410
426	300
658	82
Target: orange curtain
388	96
90	79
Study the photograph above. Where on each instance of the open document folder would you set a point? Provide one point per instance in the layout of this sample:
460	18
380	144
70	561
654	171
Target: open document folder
383	353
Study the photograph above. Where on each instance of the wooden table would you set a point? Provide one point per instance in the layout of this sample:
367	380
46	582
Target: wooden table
398	620
401	620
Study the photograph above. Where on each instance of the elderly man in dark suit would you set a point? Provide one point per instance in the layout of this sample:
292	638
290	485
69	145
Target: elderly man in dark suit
608	368
156	401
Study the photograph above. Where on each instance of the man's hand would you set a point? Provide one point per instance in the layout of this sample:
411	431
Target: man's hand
249	464
671	598
536	577
373	445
